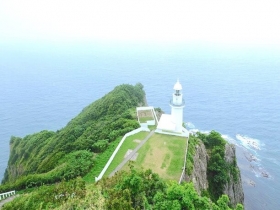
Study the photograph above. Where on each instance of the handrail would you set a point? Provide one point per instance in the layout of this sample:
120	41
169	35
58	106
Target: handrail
185	163
7	194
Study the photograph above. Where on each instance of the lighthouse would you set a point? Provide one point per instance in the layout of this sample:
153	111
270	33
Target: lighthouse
177	104
172	124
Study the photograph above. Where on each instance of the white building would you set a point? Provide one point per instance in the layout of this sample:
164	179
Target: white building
173	124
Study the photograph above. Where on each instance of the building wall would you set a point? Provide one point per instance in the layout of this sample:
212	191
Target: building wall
177	117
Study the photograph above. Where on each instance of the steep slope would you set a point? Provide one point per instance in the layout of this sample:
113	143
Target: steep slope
233	187
212	175
47	156
134	189
199	171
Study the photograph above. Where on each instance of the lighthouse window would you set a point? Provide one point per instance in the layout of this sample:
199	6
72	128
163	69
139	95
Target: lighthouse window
177	92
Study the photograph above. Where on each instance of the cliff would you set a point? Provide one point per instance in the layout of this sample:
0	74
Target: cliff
82	148
233	188
48	157
200	173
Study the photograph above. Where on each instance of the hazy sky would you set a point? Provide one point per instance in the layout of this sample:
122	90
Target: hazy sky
232	22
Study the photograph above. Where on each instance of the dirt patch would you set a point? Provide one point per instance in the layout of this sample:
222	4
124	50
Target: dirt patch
164	155
137	141
145	113
156	159
129	151
134	157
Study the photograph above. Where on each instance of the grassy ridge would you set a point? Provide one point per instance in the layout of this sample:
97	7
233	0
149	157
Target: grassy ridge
40	155
100	161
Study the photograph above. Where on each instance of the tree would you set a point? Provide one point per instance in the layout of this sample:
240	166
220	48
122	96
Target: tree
223	202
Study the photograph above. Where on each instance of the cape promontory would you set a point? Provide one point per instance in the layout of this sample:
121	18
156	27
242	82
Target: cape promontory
57	169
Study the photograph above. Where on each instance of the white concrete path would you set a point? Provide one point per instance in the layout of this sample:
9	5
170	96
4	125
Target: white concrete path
119	167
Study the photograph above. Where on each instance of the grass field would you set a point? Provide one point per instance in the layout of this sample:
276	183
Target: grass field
100	161
164	154
145	119
129	143
145	115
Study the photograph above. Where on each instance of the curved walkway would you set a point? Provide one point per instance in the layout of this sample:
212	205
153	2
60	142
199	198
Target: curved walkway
131	154
7	200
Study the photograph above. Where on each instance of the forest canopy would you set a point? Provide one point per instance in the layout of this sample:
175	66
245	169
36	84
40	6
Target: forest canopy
47	157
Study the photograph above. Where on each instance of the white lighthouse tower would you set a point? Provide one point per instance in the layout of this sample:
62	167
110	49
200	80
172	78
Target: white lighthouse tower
177	104
173	124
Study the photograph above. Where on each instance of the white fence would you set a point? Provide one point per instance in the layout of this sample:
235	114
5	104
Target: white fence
117	149
7	194
145	108
185	161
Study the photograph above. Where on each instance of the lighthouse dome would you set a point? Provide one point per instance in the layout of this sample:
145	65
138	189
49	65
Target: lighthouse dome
177	86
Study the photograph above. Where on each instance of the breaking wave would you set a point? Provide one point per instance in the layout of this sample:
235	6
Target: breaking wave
229	139
189	125
248	142
250	146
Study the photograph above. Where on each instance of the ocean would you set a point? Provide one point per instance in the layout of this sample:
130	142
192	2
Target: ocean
234	91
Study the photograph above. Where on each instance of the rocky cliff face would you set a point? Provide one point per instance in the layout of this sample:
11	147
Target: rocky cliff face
199	174
233	188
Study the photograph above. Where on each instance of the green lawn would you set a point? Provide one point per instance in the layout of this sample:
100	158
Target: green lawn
152	127
164	154
128	143
100	161
145	119
145	115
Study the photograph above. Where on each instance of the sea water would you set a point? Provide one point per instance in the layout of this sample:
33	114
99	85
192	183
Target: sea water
233	91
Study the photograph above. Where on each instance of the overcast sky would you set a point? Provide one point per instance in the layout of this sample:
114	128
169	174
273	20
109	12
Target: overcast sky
232	22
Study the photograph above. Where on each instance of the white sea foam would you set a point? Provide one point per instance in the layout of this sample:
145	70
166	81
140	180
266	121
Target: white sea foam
193	131
259	171
249	142
190	125
229	139
205	132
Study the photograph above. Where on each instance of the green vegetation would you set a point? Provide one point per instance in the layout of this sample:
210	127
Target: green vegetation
145	115
48	157
47	166
49	197
129	143
126	190
218	170
145	119
164	154
234	171
100	161
152	127
193	141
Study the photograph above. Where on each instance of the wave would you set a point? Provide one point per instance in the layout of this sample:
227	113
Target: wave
189	125
260	171
229	139
248	142
195	130
249	145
